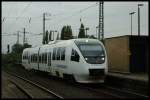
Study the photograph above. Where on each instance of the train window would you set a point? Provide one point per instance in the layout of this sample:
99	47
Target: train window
58	53
54	53
75	56
42	58
26	56
31	58
63	53
35	57
49	59
39	58
45	57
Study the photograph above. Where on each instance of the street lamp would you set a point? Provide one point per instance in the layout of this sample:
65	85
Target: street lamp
131	20
139	18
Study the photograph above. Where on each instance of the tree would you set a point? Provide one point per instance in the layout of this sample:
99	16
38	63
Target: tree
26	45
63	32
43	41
17	48
66	33
8	48
50	34
81	31
46	37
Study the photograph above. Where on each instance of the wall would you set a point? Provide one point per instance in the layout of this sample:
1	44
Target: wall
118	54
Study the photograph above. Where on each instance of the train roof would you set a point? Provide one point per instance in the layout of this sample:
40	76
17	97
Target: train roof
62	42
72	40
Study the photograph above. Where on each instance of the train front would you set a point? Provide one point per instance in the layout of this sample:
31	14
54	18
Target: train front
93	62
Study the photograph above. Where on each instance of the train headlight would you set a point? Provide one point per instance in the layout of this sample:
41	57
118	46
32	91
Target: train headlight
103	58
86	58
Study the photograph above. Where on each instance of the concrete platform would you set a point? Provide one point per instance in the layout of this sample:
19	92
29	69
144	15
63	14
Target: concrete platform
134	76
136	82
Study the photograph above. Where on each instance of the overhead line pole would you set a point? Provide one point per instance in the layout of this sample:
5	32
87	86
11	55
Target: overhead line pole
18	37
101	21
43	25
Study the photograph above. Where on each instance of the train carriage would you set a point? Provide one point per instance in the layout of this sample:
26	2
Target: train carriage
84	60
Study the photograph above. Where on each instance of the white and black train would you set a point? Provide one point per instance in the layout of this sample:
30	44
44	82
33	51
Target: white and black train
84	60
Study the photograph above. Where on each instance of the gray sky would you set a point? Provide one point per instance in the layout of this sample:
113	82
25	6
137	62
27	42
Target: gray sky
16	15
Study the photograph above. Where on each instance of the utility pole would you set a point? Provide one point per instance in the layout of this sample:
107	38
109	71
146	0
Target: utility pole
24	32
18	37
44	14
43	25
8	49
101	21
24	35
131	20
139	18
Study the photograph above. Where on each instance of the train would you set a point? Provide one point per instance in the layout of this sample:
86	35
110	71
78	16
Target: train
81	60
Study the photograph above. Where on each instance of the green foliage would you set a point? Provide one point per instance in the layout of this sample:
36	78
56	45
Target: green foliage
63	32
16	54
26	45
81	31
66	33
17	48
8	48
43	41
46	37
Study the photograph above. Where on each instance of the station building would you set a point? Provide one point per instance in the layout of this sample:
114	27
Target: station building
127	54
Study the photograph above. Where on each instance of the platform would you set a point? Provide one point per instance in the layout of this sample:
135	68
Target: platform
134	76
136	82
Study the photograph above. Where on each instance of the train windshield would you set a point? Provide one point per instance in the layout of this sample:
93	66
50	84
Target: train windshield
93	53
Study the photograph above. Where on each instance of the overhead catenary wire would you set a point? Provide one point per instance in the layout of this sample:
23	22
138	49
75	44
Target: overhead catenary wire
23	11
77	12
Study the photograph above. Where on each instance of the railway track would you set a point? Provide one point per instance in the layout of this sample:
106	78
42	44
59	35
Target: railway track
31	89
100	89
112	91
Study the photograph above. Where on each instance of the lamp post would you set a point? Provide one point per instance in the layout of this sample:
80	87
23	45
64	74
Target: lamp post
139	18
131	20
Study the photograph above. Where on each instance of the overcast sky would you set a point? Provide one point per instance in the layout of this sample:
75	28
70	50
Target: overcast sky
29	15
